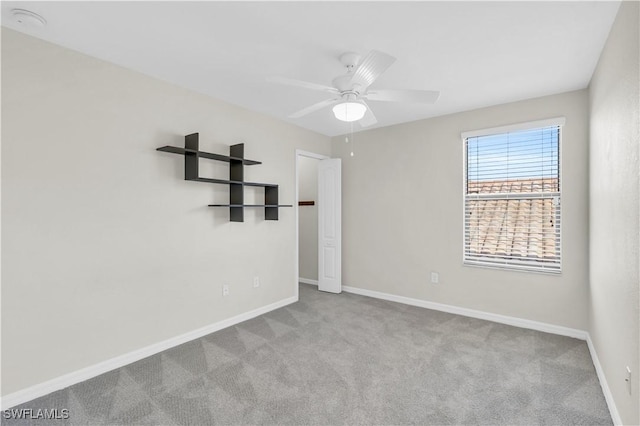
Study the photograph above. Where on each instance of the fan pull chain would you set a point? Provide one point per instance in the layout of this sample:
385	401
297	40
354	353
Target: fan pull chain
352	139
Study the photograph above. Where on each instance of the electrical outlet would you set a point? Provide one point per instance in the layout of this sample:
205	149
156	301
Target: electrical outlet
435	278
225	290
256	281
628	379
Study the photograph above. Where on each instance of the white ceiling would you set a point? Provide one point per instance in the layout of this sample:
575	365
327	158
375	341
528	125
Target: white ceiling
476	53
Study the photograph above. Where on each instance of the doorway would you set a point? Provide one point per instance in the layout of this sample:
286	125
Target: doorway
318	233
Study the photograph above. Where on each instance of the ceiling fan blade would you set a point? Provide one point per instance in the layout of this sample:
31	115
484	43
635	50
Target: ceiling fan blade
314	107
409	96
369	119
371	67
304	84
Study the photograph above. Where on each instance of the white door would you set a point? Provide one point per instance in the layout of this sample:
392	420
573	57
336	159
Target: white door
330	225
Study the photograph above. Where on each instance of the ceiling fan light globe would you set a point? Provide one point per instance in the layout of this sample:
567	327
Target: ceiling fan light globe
349	111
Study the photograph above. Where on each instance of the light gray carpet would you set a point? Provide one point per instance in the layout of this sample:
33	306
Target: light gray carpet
348	359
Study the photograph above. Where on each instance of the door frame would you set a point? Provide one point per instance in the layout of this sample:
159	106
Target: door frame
308	154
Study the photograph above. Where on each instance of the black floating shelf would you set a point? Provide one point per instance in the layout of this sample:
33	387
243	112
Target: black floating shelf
233	182
209	155
236	177
250	205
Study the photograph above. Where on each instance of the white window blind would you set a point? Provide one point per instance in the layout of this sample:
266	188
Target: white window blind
512	199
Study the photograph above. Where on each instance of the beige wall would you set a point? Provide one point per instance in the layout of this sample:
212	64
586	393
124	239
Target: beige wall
402	215
614	313
308	217
106	248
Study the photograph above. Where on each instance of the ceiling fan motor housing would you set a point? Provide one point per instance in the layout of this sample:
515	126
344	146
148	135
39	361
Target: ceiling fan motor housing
343	83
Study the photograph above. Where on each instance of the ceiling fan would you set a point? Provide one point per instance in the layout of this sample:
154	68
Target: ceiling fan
351	90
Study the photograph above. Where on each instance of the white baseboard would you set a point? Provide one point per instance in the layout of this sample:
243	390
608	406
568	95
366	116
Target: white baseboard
503	319
86	373
608	396
308	281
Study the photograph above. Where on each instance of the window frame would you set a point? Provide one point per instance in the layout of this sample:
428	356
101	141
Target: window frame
510	264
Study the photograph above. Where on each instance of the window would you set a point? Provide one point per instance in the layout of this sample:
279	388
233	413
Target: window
512	197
